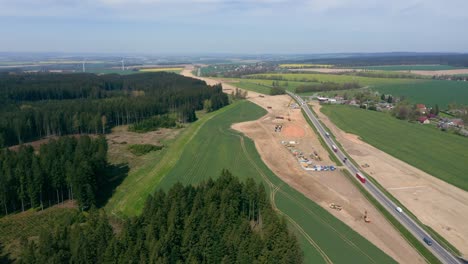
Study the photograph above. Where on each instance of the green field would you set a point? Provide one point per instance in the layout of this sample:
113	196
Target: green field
440	154
252	86
337	78
429	92
408	67
424	91
130	196
263	86
323	238
111	71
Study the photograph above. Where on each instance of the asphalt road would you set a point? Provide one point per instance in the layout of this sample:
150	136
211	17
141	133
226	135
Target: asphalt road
441	253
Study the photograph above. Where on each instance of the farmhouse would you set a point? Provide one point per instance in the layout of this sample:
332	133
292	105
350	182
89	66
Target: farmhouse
421	108
457	122
424	120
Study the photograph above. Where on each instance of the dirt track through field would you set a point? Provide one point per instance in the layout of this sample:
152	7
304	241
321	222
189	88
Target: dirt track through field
322	187
436	203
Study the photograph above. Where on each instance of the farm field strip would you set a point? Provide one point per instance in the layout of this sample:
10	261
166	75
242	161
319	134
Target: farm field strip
171	69
323	237
408	67
338	78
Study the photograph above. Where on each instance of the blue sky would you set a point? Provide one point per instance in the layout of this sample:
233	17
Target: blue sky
233	26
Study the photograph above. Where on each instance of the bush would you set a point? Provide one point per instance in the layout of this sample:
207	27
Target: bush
276	91
153	123
142	149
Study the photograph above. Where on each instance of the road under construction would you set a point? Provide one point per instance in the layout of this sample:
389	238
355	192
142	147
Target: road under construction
440	252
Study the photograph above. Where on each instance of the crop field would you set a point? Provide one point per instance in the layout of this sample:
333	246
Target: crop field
429	92
323	238
263	86
408	67
304	65
440	154
130	196
171	69
306	77
424	91
111	71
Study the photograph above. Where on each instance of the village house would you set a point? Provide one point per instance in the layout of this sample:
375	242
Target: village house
424	120
421	108
458	122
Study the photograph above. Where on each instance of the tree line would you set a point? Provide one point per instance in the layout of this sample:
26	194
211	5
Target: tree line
222	221
67	168
327	86
43	104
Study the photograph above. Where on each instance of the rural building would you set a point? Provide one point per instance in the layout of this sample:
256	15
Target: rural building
458	122
424	120
421	108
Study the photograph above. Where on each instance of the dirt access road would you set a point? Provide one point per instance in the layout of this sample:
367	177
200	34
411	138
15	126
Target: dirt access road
321	187
436	203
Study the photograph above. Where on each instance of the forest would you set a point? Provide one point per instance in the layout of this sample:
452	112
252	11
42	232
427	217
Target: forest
37	105
67	168
221	221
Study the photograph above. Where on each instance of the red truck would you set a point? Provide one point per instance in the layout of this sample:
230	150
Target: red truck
360	177
334	148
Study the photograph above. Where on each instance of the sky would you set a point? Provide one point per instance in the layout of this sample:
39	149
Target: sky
233	26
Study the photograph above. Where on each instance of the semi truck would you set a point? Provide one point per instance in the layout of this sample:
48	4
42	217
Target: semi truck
334	148
360	177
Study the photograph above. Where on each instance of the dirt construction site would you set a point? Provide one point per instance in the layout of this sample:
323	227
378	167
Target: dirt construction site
434	202
330	189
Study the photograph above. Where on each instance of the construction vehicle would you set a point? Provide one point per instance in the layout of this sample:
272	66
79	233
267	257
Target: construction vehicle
336	206
366	218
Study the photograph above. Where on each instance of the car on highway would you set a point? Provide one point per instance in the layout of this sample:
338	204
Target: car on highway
327	134
399	210
428	241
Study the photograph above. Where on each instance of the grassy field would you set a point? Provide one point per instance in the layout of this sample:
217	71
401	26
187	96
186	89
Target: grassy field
440	154
304	65
424	91
252	86
171	69
408	67
263	86
129	198
337	78
429	92
111	71
323	238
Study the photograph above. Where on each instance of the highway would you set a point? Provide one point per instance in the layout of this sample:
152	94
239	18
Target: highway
441	253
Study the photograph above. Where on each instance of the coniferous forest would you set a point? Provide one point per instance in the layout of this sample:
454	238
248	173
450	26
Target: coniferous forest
33	106
222	221
67	168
